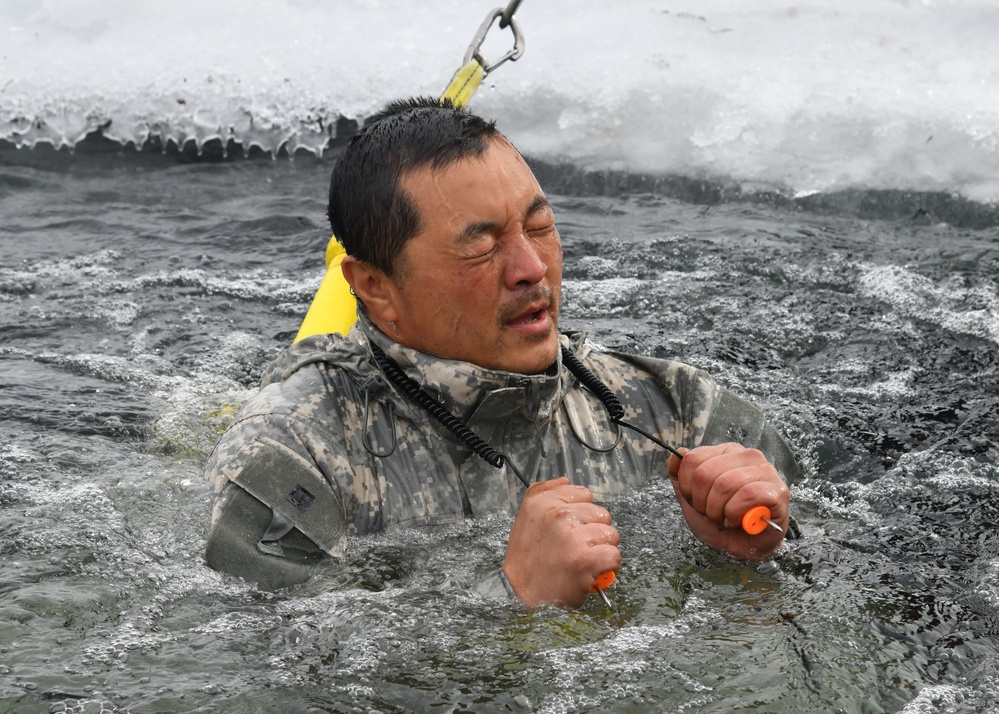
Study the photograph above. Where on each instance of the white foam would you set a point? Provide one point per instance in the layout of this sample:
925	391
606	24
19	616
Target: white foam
810	96
936	699
627	654
971	309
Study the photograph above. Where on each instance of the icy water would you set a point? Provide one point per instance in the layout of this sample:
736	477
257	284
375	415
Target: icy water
141	295
799	197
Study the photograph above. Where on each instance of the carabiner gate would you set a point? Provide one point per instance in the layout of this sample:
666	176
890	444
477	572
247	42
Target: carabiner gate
518	41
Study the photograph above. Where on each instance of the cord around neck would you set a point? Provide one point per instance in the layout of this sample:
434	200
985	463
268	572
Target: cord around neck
409	387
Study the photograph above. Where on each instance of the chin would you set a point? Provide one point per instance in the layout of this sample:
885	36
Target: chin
538	359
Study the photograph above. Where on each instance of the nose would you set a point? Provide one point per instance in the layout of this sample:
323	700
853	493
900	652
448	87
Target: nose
526	266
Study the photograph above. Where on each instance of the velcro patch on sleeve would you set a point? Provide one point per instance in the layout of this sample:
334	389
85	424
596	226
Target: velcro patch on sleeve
287	484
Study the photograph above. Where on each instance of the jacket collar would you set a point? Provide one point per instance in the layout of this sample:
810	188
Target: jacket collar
463	388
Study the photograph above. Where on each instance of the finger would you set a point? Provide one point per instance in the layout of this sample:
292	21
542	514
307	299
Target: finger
698	476
590	513
596	534
694	474
581	513
569	493
601	558
673	463
543	486
732	482
701	454
772	494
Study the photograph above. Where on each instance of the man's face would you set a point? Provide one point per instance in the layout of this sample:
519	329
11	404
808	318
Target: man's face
481	281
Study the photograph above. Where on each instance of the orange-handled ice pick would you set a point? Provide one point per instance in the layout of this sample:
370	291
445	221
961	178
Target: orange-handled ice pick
756	520
604	581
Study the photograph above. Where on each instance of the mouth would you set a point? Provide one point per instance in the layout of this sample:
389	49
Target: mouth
529	317
534	320
532	316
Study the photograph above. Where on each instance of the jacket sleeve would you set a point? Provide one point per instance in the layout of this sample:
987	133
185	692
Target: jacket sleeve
707	413
734	419
275	514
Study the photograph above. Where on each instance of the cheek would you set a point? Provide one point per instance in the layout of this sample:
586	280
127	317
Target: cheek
553	255
465	288
554	272
462	298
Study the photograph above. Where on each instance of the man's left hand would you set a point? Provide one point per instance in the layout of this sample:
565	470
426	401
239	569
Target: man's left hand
717	484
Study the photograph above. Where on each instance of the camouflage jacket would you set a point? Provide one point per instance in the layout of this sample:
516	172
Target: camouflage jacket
330	448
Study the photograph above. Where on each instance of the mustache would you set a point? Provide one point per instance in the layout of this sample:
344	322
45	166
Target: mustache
533	295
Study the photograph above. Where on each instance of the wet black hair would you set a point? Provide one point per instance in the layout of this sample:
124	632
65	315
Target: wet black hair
369	212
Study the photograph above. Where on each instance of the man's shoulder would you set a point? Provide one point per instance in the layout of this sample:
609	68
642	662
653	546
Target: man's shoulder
304	378
333	350
631	366
660	386
296	414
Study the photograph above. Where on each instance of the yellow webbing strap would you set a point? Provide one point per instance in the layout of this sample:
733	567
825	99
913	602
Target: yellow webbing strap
466	80
333	308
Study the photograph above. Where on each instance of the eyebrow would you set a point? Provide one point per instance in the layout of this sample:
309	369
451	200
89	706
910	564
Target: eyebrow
539	203
474	230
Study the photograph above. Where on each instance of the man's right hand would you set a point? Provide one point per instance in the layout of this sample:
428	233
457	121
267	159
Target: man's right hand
559	543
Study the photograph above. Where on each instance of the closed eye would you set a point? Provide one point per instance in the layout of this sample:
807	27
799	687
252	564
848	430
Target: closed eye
540	218
541	229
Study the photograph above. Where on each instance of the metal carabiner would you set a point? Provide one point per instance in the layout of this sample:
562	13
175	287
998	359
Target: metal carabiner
511	8
518	38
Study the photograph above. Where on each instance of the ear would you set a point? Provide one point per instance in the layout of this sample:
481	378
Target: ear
373	288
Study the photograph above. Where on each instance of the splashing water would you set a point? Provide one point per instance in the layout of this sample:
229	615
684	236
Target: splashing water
143	293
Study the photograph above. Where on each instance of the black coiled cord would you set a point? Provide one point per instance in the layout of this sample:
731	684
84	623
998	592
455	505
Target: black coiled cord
491	456
456	426
591	382
605	395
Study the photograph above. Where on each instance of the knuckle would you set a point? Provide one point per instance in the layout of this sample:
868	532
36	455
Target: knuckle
702	475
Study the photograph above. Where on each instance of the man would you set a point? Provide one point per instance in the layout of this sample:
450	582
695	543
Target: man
455	388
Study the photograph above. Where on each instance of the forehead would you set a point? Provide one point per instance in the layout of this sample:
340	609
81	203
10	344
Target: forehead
498	178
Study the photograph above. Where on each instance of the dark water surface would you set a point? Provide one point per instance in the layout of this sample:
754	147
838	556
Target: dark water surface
141	297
